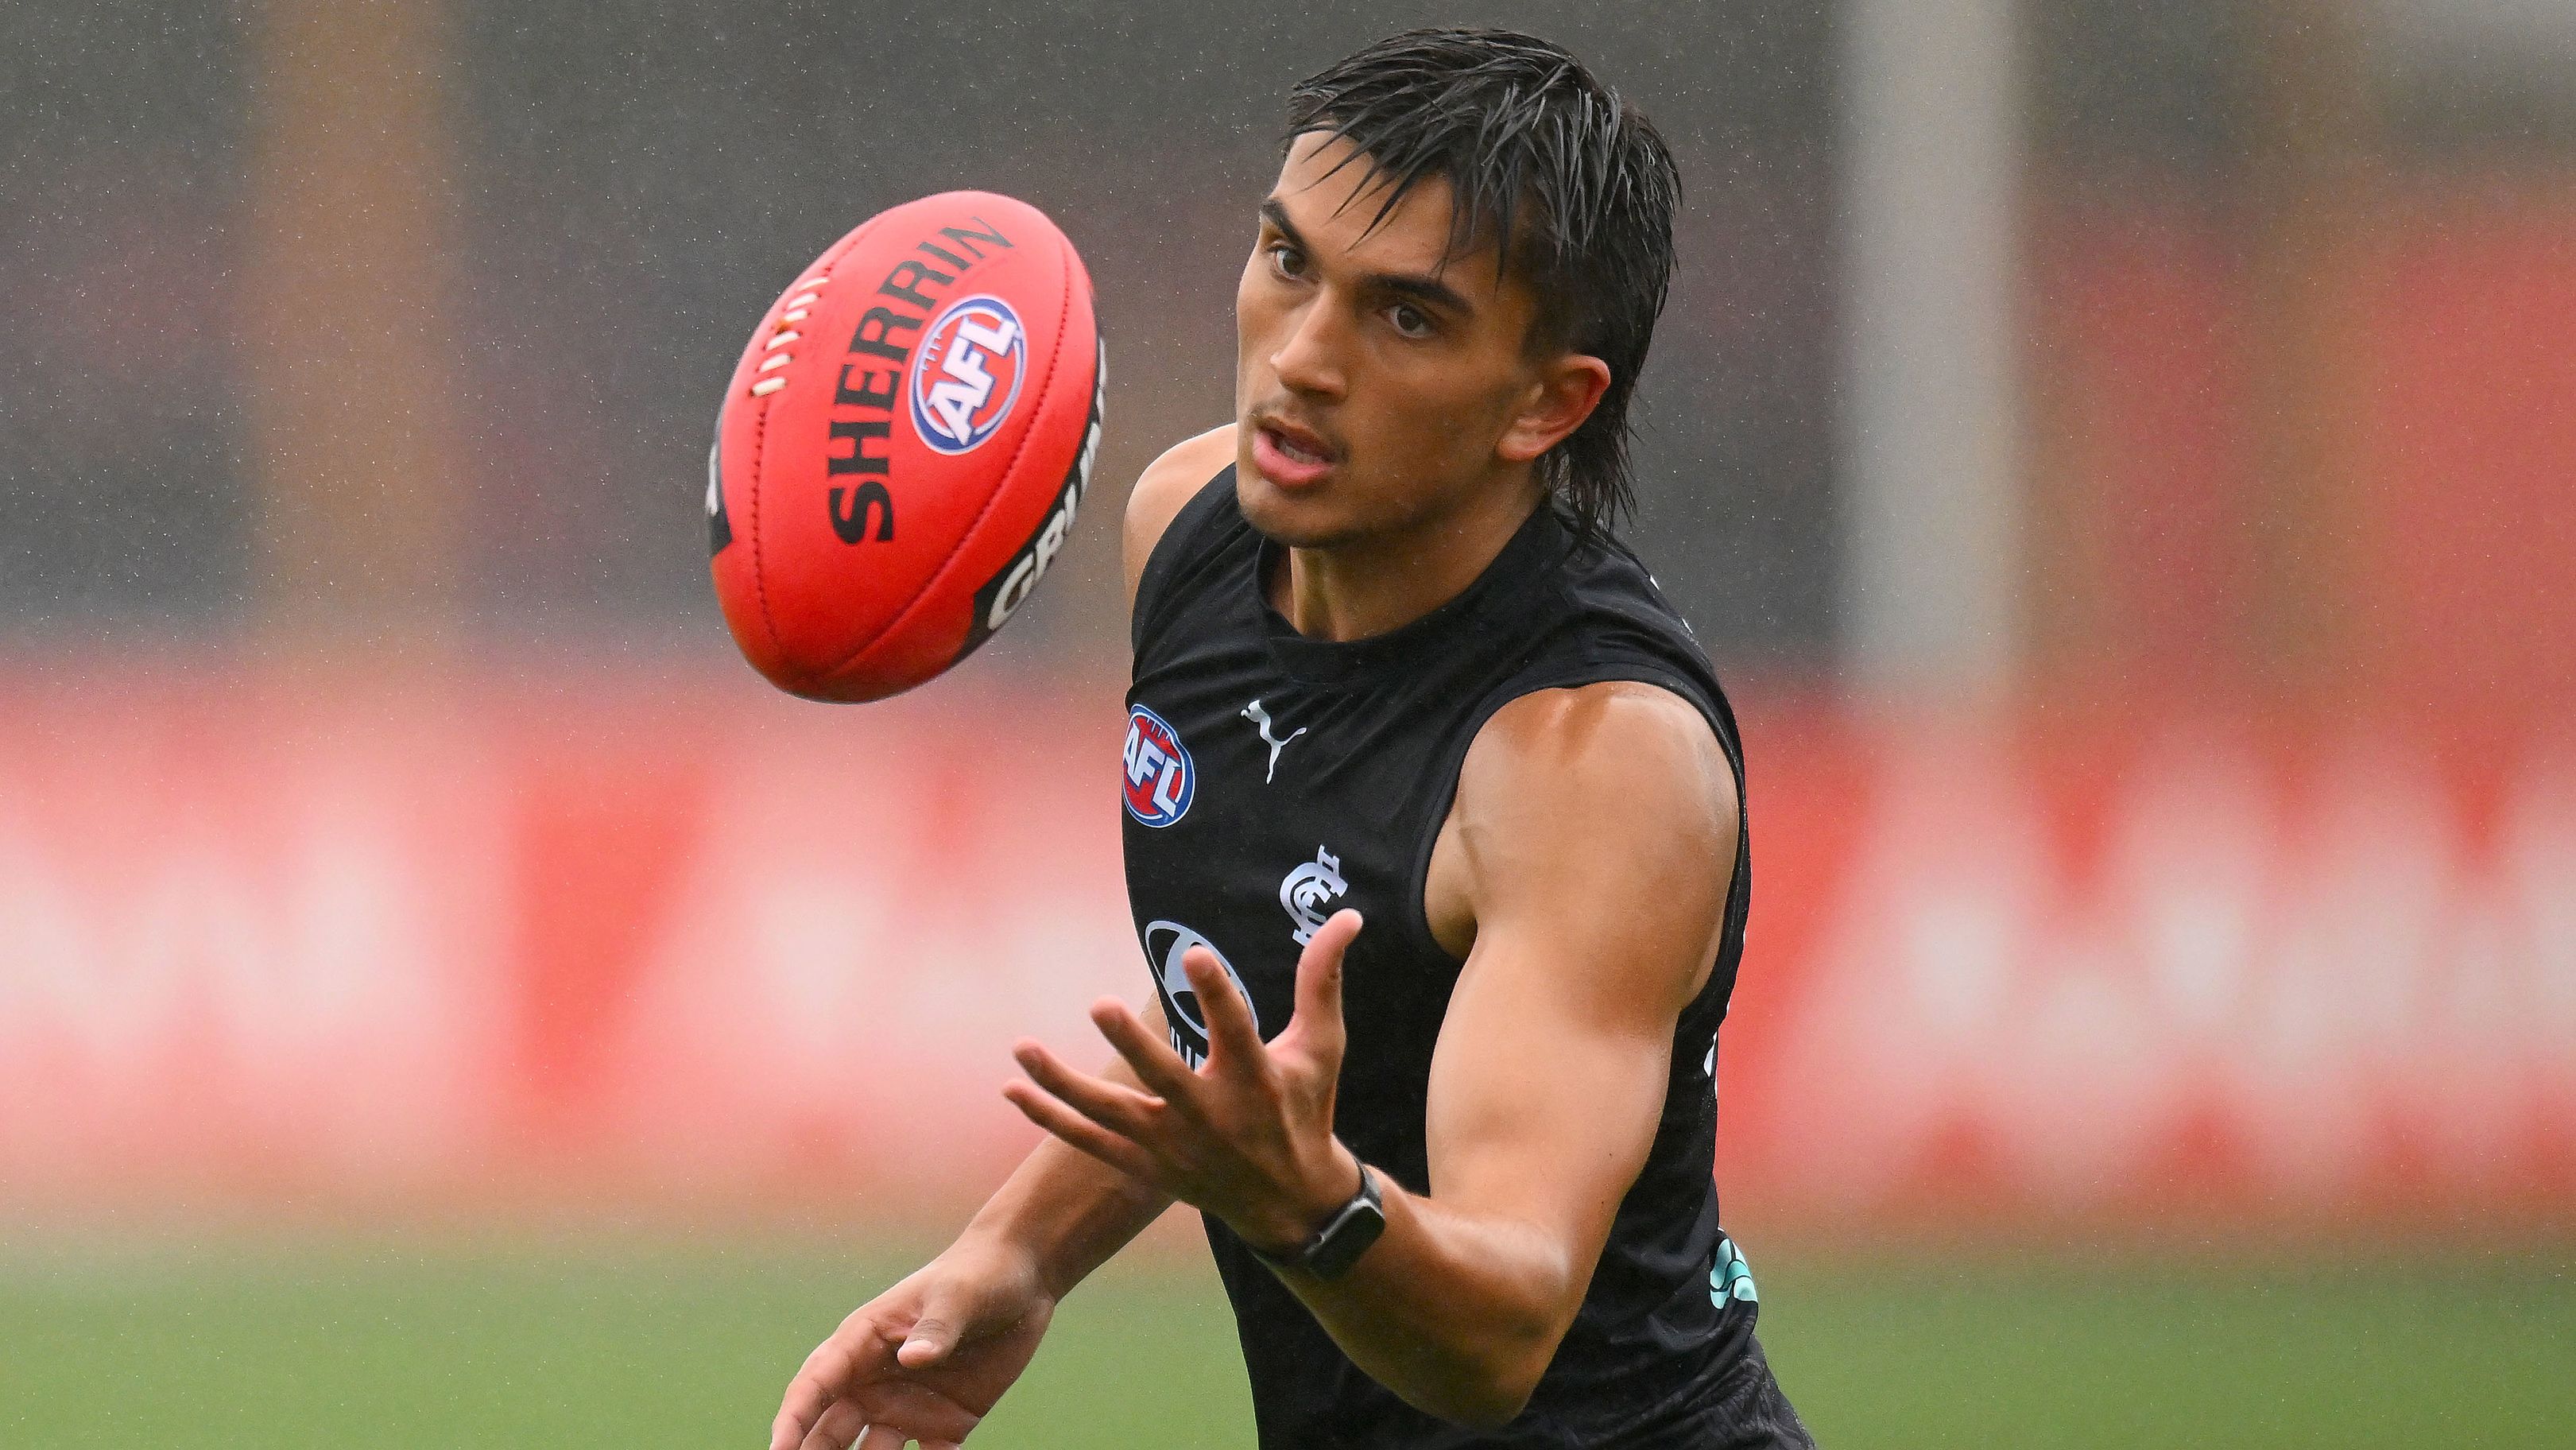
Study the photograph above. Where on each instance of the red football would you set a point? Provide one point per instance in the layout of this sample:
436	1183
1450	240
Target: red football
904	445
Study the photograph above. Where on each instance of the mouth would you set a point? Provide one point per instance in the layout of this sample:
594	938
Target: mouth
1291	456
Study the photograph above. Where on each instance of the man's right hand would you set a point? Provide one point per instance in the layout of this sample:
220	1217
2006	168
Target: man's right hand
925	1360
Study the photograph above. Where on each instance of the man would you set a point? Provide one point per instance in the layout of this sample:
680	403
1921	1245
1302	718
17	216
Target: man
1455	1168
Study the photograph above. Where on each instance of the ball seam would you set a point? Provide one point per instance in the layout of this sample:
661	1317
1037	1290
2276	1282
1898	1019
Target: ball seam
824	264
759	477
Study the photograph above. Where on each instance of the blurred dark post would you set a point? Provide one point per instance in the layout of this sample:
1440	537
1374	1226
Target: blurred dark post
350	382
2311	187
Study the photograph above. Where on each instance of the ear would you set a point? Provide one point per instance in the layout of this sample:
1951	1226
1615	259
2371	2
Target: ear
1565	392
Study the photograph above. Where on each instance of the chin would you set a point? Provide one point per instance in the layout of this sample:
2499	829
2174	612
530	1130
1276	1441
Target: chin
1290	522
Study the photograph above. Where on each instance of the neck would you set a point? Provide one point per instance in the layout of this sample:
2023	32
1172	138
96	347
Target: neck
1385	581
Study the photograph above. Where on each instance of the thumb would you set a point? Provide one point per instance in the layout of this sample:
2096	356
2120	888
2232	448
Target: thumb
929	1340
1319	980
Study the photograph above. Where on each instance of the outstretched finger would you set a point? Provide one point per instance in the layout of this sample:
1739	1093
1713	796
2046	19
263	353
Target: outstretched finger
841	1423
1051	1114
1114	1105
1233	1037
1319	982
804	1406
818	1382
919	1412
1154	1062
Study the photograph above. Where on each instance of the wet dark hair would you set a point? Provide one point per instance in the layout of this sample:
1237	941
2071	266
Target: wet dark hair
1570	182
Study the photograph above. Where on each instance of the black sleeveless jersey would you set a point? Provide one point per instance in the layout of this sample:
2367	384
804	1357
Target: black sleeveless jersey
1272	779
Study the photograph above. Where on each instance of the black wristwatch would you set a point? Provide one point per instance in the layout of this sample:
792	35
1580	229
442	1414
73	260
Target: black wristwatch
1343	1238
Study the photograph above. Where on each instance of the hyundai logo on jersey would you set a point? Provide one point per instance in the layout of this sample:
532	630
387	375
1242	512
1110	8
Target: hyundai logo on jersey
1159	777
1166	942
967	374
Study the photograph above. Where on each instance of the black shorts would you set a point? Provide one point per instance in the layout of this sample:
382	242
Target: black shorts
1749	1413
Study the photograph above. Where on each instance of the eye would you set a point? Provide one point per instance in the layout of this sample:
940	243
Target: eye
1409	320
1286	260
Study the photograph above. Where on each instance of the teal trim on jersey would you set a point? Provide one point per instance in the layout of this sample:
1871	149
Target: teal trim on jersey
1732	1278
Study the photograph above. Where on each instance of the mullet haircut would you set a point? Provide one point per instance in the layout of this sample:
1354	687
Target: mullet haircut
1570	183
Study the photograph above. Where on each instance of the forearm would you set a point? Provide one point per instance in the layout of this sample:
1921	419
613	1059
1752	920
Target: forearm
1067	1211
1458	1313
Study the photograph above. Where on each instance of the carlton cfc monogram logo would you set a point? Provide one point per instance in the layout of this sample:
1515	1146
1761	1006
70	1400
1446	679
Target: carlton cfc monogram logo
967	373
1159	778
1310	888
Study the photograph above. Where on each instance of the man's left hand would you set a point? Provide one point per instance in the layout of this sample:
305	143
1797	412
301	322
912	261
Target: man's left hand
1248	1135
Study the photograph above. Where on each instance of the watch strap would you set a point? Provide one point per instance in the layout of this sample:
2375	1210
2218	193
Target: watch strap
1332	1249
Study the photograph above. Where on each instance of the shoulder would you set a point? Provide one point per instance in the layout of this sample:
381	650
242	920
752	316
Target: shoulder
1610	809
1581	748
1166	485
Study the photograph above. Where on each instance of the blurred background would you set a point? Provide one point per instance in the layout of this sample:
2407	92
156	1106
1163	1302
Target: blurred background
2121	455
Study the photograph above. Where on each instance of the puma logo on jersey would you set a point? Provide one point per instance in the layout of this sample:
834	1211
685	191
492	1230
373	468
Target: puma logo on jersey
1260	719
1308	890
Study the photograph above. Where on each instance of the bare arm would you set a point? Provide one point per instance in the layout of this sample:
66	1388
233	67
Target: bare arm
1591	931
1168	483
1065	1209
930	1357
1586	933
927	1359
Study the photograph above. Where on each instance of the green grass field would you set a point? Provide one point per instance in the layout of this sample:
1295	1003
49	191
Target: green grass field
530	1345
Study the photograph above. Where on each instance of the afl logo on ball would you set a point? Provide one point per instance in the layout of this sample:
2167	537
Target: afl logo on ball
967	373
1159	777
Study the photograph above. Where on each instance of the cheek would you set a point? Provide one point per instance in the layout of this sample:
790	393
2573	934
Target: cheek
1426	404
1256	316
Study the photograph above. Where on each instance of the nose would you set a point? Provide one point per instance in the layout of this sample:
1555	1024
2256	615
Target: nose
1307	360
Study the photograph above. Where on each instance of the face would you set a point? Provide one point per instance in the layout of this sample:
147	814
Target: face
1377	388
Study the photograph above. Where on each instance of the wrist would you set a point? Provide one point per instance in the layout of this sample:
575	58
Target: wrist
993	1254
1288	1223
1059	1217
1330	1251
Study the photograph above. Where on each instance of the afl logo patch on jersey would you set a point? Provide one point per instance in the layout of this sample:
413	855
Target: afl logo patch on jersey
1159	778
967	374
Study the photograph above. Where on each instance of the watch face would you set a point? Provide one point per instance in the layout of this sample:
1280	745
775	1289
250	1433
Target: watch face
1351	1232
1348	1240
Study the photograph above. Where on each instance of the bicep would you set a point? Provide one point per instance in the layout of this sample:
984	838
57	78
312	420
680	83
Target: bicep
1538	1110
1592	930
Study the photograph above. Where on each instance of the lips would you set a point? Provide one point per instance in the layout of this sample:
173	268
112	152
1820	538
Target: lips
1290	456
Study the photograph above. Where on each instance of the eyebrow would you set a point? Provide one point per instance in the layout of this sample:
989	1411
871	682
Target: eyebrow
1419	286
